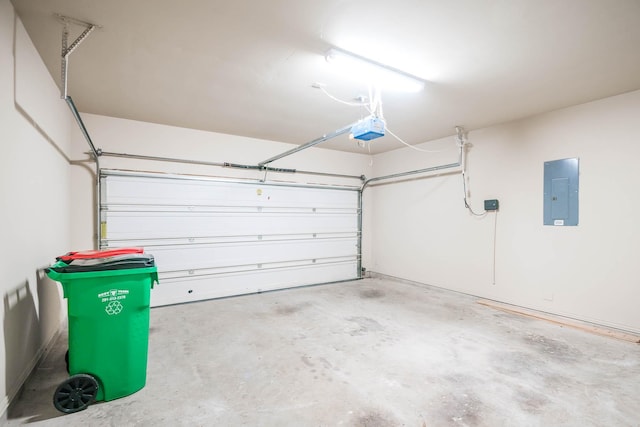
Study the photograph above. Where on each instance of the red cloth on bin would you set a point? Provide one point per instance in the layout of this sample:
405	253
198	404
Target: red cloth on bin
99	254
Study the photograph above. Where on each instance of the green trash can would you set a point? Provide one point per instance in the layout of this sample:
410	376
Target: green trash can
108	334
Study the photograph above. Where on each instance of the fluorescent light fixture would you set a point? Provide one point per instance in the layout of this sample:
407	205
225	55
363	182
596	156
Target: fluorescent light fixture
373	73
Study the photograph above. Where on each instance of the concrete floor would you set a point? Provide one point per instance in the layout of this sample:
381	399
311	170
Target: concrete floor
375	352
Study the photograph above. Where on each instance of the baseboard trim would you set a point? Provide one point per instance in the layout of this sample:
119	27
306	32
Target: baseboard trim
605	328
563	321
28	371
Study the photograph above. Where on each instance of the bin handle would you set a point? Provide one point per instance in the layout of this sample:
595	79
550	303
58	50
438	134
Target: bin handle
54	275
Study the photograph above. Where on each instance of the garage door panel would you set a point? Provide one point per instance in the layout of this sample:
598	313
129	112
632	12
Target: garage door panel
203	240
215	238
298	265
205	256
154	190
138	225
172	291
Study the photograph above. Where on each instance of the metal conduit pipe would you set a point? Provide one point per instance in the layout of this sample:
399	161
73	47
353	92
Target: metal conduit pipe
309	144
359	240
392	176
159	159
414	172
83	129
95	154
335	175
225	164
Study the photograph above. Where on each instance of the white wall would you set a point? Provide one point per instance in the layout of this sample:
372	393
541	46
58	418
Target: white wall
34	189
134	137
421	231
418	229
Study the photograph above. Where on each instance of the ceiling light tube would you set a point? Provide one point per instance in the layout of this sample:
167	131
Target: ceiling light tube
374	73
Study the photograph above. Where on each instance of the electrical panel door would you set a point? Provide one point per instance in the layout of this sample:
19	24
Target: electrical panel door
561	192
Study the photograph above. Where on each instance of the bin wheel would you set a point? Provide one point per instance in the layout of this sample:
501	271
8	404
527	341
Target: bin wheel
75	393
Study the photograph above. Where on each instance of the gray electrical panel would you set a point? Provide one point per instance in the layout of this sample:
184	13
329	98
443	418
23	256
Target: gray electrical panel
561	192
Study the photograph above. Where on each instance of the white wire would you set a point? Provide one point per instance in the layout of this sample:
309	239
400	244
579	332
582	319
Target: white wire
462	142
349	103
466	204
422	150
495	234
376	104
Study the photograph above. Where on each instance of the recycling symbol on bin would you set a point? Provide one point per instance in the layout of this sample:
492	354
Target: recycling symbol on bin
114	307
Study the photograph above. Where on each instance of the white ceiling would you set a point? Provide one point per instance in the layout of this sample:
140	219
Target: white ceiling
246	67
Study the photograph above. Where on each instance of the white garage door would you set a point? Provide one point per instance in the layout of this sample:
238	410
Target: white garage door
214	238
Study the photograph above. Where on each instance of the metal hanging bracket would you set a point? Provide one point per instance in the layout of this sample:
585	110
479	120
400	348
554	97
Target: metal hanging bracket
68	49
66	52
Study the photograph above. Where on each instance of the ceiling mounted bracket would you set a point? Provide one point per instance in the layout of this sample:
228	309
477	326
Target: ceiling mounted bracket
66	52
461	135
68	49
